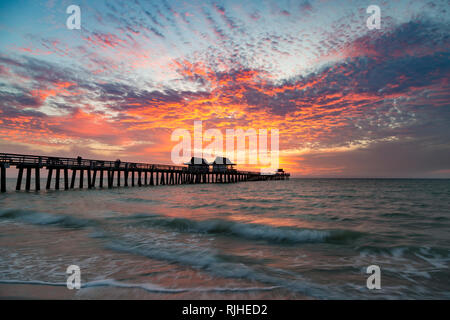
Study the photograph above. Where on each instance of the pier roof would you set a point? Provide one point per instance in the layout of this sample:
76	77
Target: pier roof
198	161
223	160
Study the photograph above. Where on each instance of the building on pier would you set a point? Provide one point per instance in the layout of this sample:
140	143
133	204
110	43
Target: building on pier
198	165
222	164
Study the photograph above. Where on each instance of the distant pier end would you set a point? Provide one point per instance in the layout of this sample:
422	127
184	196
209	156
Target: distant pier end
101	173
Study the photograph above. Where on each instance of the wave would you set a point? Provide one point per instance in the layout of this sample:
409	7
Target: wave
398	215
135	199
135	216
41	218
252	231
149	287
404	251
217	264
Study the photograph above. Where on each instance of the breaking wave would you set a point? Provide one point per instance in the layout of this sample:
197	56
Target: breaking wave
41	218
251	231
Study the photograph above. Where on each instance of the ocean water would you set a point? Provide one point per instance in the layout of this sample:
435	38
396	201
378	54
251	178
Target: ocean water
296	239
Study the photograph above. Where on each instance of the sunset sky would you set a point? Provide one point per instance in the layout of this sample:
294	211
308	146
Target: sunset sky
347	101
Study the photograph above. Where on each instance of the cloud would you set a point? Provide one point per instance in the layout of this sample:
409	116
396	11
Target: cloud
401	159
123	90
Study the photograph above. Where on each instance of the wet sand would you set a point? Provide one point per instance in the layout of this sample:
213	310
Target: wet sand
27	292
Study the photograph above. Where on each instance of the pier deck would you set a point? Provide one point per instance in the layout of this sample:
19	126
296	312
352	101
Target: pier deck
104	173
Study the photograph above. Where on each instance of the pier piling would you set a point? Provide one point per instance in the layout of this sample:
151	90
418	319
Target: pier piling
101	178
94	177
66	179
28	179
37	178
57	178
19	178
2	177
89	178
74	176
81	178
49	178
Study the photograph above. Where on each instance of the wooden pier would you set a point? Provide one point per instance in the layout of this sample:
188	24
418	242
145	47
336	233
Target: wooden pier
108	174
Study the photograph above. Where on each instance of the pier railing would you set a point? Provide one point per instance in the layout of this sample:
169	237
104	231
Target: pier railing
43	161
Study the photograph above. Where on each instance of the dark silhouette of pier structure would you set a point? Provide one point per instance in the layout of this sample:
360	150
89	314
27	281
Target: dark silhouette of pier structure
107	174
